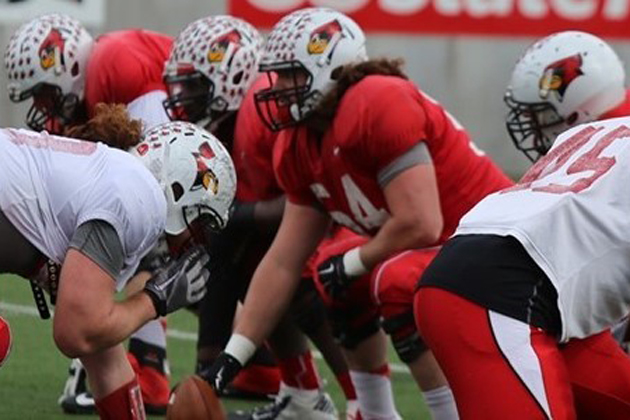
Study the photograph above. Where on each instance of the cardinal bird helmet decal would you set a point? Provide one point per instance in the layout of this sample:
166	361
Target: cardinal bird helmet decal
559	75
323	36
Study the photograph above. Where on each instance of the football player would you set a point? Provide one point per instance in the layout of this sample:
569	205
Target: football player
85	214
53	61
562	80
521	300
362	146
209	74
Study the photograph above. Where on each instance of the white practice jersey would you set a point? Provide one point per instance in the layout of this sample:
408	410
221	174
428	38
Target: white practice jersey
50	185
571	212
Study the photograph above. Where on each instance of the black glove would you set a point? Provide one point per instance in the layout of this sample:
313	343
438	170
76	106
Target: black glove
222	372
332	275
179	283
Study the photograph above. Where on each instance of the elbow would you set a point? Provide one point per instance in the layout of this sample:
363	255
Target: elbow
425	233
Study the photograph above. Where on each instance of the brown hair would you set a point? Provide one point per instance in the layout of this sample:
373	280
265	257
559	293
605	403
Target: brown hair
111	125
346	76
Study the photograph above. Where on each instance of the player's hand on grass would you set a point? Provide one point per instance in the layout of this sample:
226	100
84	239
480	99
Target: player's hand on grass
179	283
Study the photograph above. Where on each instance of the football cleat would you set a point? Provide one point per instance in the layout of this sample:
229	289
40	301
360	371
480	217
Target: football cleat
76	399
294	403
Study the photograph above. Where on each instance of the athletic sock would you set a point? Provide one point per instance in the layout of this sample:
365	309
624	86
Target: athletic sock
441	403
375	395
153	332
299	372
125	403
345	382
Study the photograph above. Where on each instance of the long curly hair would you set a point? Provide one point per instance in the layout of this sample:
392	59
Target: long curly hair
346	76
111	125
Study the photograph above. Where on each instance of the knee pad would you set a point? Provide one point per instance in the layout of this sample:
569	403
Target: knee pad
349	332
404	335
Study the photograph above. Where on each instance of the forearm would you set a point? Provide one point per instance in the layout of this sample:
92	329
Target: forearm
122	320
394	236
267	299
265	215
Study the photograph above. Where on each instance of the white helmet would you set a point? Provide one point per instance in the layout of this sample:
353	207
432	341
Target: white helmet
314	41
47	58
565	79
213	63
195	171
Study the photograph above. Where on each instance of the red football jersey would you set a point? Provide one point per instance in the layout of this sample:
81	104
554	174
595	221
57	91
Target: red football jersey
380	119
125	65
253	151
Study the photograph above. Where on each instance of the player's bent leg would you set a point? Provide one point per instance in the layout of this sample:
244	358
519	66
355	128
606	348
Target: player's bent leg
600	375
301	384
370	374
393	285
309	313
147	355
497	367
114	384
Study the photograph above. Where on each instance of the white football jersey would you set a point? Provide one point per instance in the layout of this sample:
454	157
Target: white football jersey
571	212
50	185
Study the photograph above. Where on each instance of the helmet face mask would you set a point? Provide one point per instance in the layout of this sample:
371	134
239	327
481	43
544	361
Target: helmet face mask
533	126
190	98
51	110
285	103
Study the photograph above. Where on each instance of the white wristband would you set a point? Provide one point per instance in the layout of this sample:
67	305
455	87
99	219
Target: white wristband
241	348
352	264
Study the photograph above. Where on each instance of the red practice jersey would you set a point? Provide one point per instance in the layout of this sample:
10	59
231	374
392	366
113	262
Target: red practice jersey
379	120
125	65
253	151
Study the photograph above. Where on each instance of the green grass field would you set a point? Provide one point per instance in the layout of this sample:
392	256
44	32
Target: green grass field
33	377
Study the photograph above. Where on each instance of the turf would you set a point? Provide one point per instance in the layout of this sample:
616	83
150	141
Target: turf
32	378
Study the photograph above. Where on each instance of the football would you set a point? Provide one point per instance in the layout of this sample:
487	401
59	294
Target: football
5	341
194	399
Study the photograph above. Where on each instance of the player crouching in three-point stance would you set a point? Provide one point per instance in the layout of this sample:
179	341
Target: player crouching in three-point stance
87	213
520	301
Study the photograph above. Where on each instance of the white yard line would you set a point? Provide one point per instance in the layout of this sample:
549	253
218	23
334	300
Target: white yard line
170	332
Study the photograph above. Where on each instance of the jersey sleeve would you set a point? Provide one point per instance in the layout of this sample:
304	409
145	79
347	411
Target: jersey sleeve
394	122
289	175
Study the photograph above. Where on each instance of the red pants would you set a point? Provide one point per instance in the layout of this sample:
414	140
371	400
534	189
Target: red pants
501	368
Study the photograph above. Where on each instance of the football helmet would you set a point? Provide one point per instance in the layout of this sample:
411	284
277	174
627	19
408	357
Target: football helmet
46	60
195	172
305	46
565	79
213	62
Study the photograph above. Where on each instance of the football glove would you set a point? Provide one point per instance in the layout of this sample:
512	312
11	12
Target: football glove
333	276
222	372
179	283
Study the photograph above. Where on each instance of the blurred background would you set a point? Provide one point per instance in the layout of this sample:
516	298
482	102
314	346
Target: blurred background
461	52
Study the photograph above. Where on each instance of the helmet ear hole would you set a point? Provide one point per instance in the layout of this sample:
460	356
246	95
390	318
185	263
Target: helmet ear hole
571	119
75	70
178	190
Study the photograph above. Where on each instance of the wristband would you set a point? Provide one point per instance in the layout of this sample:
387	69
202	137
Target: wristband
352	264
241	348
